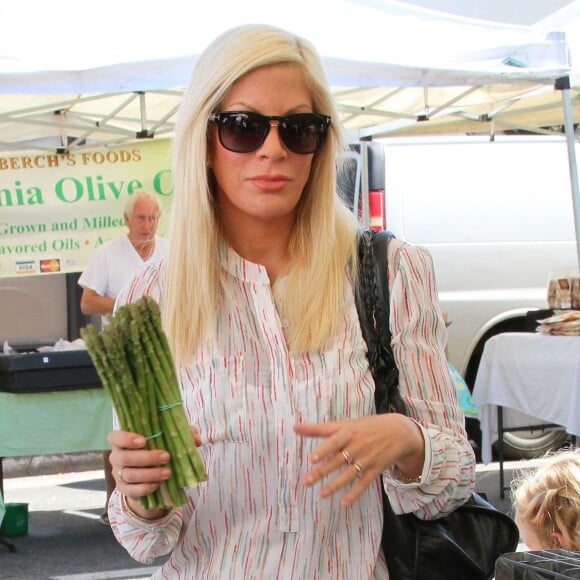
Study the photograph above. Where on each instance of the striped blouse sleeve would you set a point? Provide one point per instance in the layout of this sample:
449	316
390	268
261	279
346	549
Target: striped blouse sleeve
427	387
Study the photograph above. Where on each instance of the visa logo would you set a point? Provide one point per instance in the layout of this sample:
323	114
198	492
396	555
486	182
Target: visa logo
28	267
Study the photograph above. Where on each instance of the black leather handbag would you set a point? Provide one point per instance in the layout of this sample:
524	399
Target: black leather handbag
464	544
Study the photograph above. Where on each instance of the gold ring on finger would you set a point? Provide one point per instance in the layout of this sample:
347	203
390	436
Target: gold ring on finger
346	456
358	468
120	474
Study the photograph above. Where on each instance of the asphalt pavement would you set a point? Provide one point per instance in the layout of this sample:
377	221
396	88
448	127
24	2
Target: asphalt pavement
66	540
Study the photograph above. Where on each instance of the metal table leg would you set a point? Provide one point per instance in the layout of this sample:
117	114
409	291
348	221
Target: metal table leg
500	451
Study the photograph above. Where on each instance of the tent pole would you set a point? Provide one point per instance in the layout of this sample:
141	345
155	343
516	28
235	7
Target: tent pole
563	84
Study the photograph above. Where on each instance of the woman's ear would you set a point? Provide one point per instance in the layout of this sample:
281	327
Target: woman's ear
558	539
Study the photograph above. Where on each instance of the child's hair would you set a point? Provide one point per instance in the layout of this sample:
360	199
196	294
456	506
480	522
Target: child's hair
548	500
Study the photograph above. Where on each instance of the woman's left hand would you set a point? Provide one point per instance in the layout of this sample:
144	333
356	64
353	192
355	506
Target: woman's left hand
356	451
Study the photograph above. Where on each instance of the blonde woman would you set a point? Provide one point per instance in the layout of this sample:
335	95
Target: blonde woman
258	304
547	503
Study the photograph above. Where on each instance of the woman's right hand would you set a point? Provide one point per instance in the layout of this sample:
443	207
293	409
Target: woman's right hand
139	471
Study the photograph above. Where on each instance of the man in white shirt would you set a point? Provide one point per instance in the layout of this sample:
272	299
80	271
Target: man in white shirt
113	266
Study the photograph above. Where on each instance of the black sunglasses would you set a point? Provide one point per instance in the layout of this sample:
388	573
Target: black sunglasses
245	131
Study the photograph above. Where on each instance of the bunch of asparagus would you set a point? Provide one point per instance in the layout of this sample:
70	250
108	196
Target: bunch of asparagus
134	363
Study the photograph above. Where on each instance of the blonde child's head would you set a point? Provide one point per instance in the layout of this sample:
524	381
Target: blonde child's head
547	503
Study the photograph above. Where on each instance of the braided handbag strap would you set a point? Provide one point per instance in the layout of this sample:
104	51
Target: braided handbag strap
372	300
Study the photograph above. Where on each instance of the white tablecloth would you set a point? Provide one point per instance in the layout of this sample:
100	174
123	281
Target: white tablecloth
536	375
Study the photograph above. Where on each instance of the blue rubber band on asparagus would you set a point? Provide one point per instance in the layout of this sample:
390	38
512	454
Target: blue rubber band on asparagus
154	435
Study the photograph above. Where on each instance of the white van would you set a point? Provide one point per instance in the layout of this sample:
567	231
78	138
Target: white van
497	217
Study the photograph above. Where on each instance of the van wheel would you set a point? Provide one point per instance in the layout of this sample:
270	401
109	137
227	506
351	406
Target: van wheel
521	445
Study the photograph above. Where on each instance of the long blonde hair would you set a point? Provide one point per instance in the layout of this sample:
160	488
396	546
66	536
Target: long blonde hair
322	242
548	500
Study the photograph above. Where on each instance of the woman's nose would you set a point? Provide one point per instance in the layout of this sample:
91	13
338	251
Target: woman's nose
273	146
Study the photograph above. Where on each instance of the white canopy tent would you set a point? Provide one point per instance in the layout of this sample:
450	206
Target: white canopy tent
117	74
74	74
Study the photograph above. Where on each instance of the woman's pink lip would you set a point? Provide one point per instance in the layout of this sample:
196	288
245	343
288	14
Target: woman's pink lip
269	182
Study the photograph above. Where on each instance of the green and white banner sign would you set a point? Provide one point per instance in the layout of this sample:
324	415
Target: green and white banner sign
57	209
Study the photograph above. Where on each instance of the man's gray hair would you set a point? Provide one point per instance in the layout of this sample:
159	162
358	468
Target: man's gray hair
136	196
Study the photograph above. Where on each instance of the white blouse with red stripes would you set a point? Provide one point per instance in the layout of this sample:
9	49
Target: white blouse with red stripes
253	518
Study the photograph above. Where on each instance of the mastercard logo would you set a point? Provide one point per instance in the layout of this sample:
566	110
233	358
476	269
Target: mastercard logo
50	265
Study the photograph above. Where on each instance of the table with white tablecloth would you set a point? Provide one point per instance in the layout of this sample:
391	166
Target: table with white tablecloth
534	374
